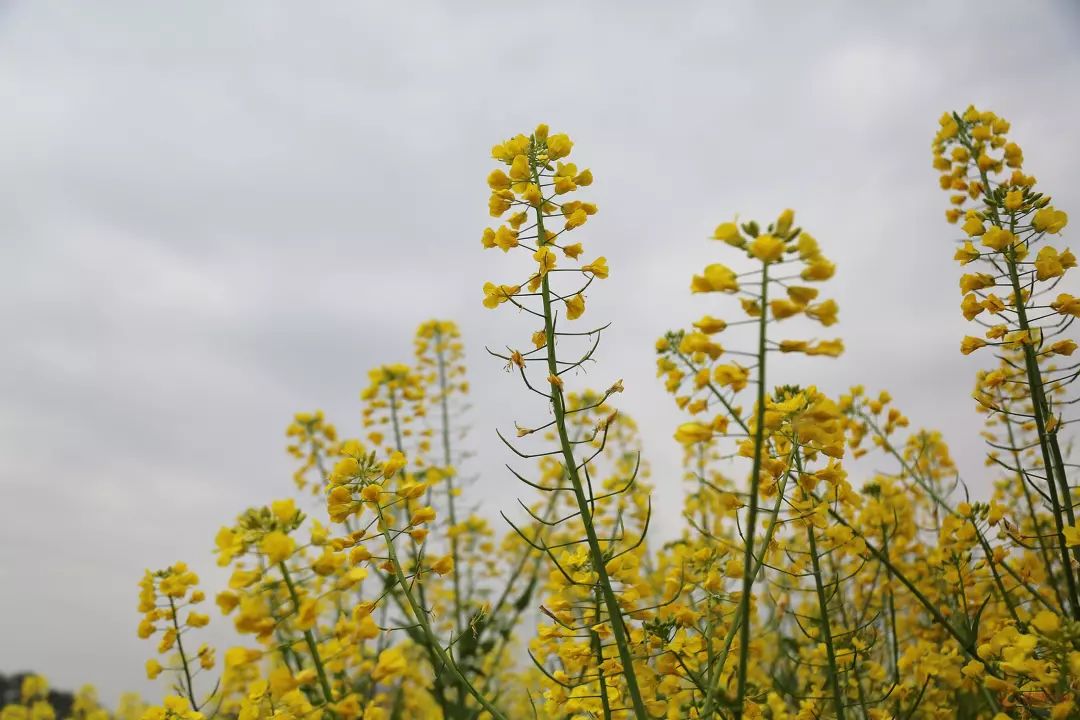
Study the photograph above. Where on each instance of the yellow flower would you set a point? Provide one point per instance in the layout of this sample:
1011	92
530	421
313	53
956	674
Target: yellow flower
729	232
1063	347
423	515
495	295
966	253
1014	156
498	180
505	238
1046	622
393	464
1014	199
498	203
576	219
970	306
597	267
532	195
975	281
307	614
710	325
1066	305
564	178
824	312
277	546
783	308
830	348
715	278
783	223
734	376
1050	220
802	295
818	269
697	342
241	578
390	664
344	470
412	490
970	344
284	510
227	601
444	565
788	346
153	669
1048	264
228	545
546	258
767	248
997	238
575	307
692	432
559	146
973	226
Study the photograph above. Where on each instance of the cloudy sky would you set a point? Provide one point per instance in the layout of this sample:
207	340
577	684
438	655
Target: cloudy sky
215	214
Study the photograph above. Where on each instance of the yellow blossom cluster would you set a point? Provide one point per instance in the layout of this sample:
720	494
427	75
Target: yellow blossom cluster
830	562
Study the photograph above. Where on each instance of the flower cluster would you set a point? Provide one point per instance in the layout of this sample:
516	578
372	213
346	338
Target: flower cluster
166	599
533	191
831	561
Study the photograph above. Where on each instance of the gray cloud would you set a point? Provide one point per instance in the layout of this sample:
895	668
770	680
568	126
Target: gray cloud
214	215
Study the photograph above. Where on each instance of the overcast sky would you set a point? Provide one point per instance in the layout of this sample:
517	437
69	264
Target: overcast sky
215	214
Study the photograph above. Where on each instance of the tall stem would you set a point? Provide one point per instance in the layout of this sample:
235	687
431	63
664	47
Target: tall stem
826	629
1053	463
183	657
309	637
421	618
444	406
1036	525
751	520
598	650
717	666
615	615
1040	411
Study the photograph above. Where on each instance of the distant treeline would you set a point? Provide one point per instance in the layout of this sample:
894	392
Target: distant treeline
11	690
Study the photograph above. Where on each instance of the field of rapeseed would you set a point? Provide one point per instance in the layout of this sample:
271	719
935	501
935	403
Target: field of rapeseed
793	590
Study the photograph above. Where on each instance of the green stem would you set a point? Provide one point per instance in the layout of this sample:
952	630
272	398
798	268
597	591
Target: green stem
1051	452
1036	525
444	406
939	503
421	617
190	688
309	637
826	630
890	604
598	650
966	645
615	616
395	423
716	391
751	521
717	666
1040	410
